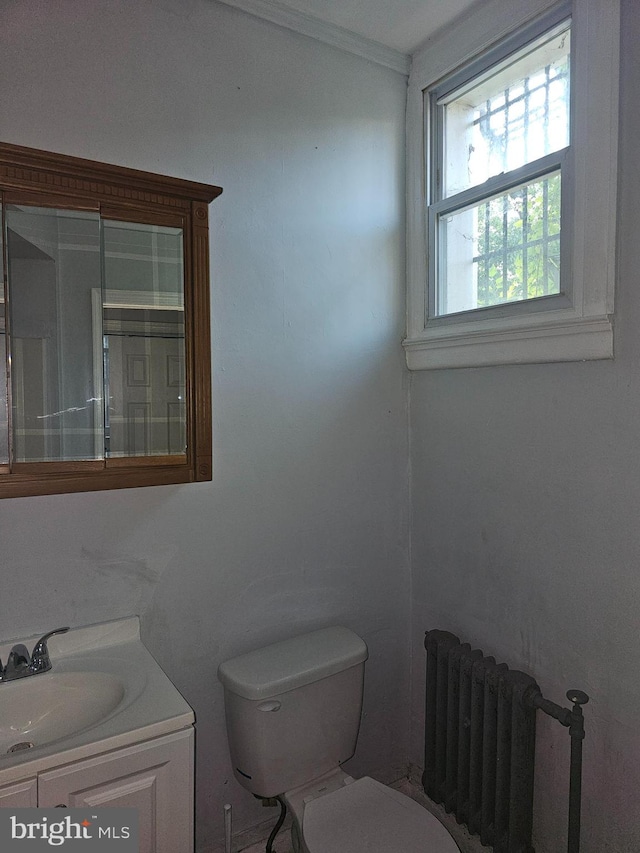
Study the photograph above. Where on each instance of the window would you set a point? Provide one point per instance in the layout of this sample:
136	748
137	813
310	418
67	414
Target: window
515	148
499	143
104	326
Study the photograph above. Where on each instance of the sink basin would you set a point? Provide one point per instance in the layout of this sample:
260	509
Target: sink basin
104	692
43	708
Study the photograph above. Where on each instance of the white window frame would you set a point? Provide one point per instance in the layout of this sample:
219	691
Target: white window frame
578	324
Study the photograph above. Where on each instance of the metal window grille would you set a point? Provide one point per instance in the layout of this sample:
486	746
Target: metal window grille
518	233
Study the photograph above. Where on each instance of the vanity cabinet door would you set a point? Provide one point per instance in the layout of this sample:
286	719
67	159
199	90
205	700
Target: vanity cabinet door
20	795
155	777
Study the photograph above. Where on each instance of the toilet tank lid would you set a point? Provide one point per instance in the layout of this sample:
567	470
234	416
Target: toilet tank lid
292	663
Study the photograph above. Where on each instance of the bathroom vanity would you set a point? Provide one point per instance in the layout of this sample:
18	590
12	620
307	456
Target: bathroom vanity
104	727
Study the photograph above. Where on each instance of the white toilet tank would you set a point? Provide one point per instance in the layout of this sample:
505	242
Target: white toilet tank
293	709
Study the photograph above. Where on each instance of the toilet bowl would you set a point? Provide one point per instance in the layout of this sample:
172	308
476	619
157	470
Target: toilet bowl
293	713
339	814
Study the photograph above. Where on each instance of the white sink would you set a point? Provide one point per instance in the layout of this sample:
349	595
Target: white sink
39	709
103	692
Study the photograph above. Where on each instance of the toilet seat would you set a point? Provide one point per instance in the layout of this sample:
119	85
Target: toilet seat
368	817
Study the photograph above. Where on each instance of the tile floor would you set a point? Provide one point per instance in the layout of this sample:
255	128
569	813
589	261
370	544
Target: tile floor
255	841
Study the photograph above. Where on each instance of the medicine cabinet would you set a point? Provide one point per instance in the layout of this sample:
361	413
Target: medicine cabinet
105	370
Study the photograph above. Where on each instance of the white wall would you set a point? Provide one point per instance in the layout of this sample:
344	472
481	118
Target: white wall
526	487
305	522
525	479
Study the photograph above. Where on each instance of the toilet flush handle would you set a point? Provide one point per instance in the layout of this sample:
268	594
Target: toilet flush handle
270	705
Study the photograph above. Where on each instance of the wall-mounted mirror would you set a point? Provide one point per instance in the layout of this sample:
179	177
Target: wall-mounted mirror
104	326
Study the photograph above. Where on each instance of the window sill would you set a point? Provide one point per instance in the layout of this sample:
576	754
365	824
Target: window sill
528	340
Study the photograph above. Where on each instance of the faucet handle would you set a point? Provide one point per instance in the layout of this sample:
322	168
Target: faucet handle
17	662
40	660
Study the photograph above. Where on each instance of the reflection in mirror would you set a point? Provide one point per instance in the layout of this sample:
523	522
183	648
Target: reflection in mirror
53	264
4	425
144	340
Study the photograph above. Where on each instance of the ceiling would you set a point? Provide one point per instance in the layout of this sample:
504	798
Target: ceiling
398	24
386	31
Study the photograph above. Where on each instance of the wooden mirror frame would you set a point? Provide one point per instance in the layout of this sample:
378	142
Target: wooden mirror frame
35	177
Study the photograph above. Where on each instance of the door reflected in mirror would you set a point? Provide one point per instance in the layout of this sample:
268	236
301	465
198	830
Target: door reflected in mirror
144	340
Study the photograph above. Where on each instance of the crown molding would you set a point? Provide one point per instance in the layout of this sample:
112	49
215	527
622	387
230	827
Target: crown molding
308	25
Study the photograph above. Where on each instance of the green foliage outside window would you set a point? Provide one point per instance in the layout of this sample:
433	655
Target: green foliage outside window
518	244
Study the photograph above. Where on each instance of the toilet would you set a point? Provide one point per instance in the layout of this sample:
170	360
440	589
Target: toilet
293	713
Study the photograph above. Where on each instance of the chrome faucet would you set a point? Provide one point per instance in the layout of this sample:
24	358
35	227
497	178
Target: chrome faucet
21	664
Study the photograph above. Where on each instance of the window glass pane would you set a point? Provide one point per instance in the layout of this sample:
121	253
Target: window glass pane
4	426
53	262
504	249
511	117
144	351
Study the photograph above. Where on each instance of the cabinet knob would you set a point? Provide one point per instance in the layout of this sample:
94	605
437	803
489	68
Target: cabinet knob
61	806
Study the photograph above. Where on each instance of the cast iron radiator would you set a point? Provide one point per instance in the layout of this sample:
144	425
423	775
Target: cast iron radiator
480	740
